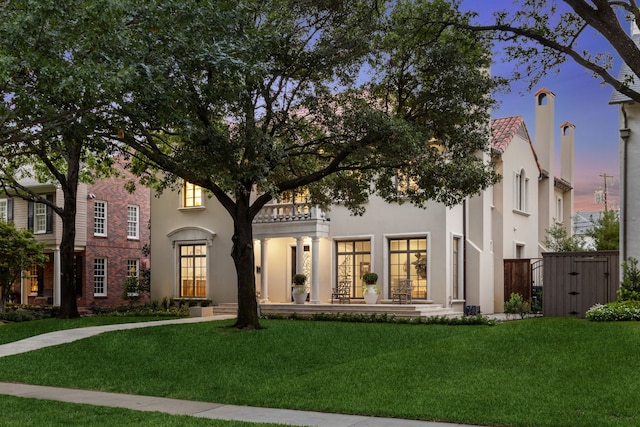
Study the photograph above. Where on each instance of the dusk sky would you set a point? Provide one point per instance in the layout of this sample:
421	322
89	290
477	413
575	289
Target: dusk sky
581	100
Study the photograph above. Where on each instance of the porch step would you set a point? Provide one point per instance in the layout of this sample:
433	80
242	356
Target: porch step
226	308
397	310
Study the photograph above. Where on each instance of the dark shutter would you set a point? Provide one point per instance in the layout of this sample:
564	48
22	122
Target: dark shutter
49	215
30	209
9	210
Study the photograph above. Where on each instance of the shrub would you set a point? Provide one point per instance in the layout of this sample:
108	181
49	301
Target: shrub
517	305
630	285
385	318
614	311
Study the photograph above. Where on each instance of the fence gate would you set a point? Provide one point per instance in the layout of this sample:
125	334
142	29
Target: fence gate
575	281
517	277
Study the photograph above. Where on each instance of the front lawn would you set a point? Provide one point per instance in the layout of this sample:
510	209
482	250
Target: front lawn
535	372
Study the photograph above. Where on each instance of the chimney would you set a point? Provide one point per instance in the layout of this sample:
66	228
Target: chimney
567	131
544	140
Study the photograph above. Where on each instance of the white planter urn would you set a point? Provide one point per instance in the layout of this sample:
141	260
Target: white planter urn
371	293
299	294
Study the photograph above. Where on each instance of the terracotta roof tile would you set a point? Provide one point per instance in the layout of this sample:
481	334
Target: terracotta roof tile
503	130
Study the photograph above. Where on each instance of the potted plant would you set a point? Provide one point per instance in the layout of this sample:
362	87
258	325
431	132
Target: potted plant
200	308
299	292
370	291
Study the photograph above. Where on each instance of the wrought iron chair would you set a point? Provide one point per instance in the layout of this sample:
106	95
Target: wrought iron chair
342	292
402	291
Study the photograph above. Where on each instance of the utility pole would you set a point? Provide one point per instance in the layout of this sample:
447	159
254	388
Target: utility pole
604	177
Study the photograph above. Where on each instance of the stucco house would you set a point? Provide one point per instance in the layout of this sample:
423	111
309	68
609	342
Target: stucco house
629	151
451	256
112	227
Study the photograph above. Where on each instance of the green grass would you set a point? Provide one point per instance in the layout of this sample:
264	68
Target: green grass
10	332
23	412
536	372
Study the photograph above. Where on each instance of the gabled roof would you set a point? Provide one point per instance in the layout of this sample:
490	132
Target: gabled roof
503	130
627	75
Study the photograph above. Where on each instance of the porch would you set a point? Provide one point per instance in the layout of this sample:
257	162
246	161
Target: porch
414	310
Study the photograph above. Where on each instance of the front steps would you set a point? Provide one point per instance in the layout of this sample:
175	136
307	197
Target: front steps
397	310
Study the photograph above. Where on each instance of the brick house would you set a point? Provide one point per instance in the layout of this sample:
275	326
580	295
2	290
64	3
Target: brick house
112	228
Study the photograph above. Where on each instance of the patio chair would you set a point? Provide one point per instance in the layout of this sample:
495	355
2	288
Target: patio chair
342	292
402	291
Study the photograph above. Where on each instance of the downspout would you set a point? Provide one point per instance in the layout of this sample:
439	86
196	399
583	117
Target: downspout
624	135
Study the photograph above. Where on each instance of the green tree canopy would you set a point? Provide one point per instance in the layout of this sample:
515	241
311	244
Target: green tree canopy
250	99
58	80
558	239
539	35
606	231
18	251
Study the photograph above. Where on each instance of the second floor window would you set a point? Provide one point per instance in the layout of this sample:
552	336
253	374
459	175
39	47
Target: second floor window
4	210
40	218
132	222
191	195
100	219
521	187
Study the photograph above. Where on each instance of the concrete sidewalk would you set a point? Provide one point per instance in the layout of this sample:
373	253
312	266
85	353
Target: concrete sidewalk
209	410
176	406
70	335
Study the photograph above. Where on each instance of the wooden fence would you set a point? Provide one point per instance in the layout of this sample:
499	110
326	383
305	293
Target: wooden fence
575	281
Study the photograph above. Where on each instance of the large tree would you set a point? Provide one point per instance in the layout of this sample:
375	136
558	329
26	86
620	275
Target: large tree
57	80
542	34
251	99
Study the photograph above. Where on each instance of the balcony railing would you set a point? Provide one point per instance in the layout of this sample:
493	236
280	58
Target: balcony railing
288	212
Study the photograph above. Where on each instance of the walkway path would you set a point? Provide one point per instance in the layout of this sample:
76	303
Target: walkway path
176	406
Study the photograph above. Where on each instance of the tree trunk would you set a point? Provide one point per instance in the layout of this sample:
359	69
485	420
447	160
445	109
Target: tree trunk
243	258
68	303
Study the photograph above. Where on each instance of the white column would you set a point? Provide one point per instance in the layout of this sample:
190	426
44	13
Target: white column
264	284
299	255
315	286
56	277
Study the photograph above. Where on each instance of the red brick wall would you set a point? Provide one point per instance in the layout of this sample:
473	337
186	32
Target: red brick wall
115	247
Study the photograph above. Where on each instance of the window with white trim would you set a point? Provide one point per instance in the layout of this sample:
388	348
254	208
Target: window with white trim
100	277
133	227
100	218
521	191
559	209
191	195
456	268
193	270
40	218
4	210
133	272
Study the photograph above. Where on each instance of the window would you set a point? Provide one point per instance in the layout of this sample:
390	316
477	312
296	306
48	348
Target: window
456	267
40	218
4	210
32	280
132	268
559	209
353	258
191	195
133	222
408	261
100	218
132	272
100	277
519	250
521	190
193	271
